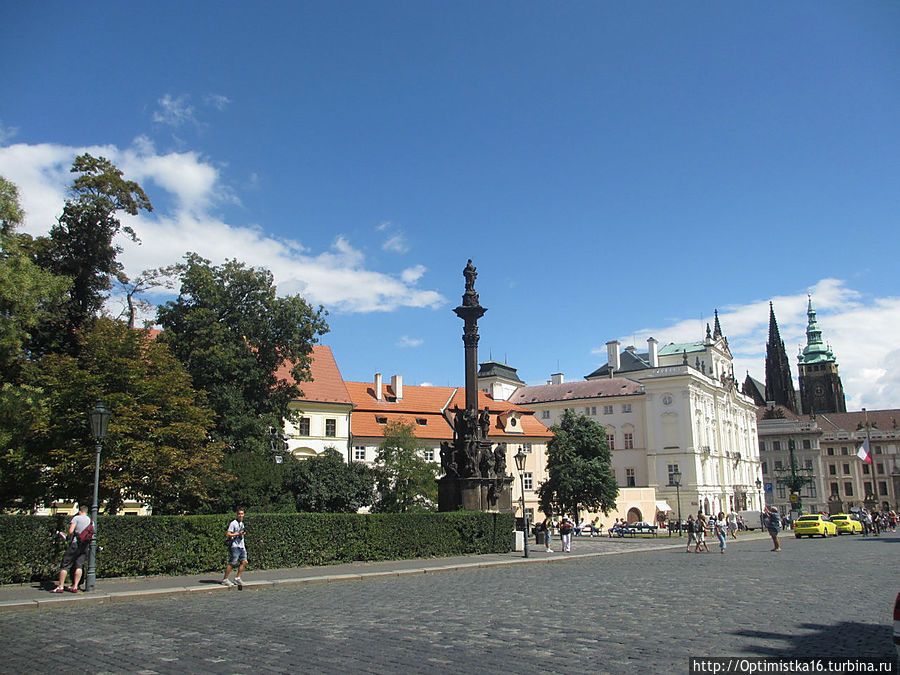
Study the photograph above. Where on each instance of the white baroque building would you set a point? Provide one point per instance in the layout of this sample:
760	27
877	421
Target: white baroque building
674	409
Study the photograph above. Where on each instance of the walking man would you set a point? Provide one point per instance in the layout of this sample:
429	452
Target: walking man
77	550
772	521
237	551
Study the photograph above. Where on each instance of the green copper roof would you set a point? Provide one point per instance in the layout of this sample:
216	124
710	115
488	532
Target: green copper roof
815	351
679	348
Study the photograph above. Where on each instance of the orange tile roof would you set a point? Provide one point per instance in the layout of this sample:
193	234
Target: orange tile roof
327	385
371	424
434	404
416	399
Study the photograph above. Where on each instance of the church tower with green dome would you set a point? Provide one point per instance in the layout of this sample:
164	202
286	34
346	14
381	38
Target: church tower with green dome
821	390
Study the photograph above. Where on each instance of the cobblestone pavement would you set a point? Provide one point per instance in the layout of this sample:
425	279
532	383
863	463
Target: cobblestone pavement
639	612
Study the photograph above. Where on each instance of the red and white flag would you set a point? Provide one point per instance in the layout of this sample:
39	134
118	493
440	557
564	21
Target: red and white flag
864	454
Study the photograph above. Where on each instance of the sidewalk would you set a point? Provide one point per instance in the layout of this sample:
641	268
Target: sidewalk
37	596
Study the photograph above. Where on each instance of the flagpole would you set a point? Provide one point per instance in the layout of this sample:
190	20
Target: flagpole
871	464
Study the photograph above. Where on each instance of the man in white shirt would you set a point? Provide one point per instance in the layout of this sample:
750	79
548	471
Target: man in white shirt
75	552
237	551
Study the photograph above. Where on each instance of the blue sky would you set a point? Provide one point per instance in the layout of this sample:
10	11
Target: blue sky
615	170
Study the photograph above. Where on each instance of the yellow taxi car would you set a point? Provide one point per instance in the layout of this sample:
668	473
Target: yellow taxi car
846	524
814	524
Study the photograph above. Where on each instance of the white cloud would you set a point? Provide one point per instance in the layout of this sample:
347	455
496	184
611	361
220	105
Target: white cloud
396	240
7	133
861	331
337	277
217	101
174	111
407	341
412	274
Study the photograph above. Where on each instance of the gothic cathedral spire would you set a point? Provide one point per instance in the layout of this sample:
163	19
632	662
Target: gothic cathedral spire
779	383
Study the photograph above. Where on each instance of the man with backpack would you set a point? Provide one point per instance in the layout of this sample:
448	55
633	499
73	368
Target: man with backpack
81	532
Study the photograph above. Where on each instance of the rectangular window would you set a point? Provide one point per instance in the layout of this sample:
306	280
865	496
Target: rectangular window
762	446
777	464
672	469
429	455
867	488
848	489
834	488
765	467
780	491
882	487
877	449
629	478
587	410
808	464
303	427
811	490
526	447
846	469
829	451
611	441
545	414
626	407
607	410
776	446
807	444
832	470
844	450
528	478
629	441
866	469
879	468
331	428
359	453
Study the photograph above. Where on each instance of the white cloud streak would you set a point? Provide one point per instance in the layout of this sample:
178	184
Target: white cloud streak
337	278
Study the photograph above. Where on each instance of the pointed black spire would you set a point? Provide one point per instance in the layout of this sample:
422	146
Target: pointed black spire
717	330
779	382
708	336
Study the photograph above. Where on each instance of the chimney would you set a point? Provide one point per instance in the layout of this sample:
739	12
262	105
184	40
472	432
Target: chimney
612	356
557	378
397	386
653	349
377	386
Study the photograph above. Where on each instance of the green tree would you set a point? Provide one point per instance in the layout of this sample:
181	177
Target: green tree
328	484
579	465
404	480
254	481
232	332
80	246
157	449
29	295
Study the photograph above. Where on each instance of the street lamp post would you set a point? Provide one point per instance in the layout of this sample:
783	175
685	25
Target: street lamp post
99	424
676	478
795	478
758	496
520	465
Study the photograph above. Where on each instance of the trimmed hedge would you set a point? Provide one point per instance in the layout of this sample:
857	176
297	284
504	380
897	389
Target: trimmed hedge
174	545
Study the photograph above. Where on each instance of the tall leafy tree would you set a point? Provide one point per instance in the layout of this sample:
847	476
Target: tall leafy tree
29	295
158	447
404	480
232	332
81	246
328	484
579	465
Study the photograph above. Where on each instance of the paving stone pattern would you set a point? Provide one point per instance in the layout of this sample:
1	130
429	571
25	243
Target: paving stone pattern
640	612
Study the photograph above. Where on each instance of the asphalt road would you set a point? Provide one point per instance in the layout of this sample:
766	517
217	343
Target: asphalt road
641	612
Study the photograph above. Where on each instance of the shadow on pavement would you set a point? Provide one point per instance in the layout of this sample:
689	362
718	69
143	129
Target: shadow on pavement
843	640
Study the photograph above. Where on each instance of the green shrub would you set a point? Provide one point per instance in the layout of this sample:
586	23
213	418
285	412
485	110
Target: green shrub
174	545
